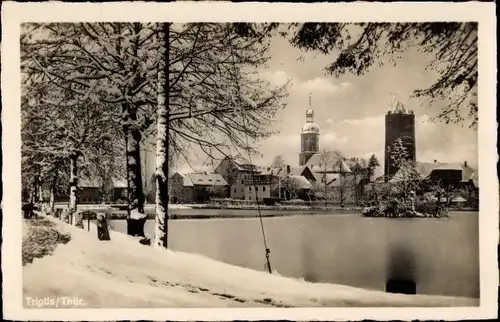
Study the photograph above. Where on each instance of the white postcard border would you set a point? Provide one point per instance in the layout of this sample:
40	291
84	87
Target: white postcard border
15	13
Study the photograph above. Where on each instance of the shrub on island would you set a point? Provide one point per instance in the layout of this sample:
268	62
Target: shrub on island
396	208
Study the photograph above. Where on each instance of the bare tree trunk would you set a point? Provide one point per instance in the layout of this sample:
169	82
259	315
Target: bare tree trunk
355	186
326	187
34	193
52	193
40	193
73	184
161	219
136	217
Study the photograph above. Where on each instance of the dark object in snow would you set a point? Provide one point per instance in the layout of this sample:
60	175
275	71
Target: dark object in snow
102	228
145	241
28	210
135	227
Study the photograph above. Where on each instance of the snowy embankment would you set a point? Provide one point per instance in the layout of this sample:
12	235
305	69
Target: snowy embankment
123	273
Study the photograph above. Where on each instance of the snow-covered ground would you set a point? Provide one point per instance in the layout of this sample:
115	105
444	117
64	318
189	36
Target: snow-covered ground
122	273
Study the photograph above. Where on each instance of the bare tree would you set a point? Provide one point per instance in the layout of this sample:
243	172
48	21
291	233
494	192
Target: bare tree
162	143
327	158
207	96
112	62
278	162
359	171
213	101
291	188
54	133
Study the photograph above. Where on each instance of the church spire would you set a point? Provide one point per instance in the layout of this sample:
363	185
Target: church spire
309	112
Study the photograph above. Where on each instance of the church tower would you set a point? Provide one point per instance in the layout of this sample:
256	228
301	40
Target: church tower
309	144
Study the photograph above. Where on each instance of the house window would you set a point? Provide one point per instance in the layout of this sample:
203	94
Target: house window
210	180
250	198
242	181
249	188
263	188
234	190
256	188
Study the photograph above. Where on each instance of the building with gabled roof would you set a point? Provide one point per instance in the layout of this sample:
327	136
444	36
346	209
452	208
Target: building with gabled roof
446	173
94	190
334	164
196	187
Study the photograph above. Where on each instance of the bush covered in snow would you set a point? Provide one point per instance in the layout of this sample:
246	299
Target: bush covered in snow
398	209
40	239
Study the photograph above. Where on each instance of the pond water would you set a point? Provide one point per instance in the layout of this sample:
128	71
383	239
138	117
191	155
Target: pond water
441	255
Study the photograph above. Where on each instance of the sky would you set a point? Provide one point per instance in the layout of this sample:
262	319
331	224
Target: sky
350	109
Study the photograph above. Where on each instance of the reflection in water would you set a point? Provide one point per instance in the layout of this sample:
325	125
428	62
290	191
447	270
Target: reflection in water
344	249
401	270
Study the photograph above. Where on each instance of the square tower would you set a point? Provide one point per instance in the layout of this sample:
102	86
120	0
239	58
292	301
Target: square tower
399	124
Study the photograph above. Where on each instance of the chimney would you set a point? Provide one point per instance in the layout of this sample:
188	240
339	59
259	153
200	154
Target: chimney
465	164
287	169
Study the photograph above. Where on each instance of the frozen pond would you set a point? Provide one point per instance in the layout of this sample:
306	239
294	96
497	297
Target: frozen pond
441	254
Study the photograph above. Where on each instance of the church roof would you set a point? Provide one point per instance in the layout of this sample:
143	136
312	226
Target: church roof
310	128
335	164
281	172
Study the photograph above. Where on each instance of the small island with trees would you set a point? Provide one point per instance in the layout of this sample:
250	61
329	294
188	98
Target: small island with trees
409	194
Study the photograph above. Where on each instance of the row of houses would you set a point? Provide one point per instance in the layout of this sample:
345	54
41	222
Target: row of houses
237	178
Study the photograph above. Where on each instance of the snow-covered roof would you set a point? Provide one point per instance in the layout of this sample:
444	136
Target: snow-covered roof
475	179
206	179
301	181
119	183
310	128
443	199
90	183
334	164
332	179
404	173
282	172
426	168
97	183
